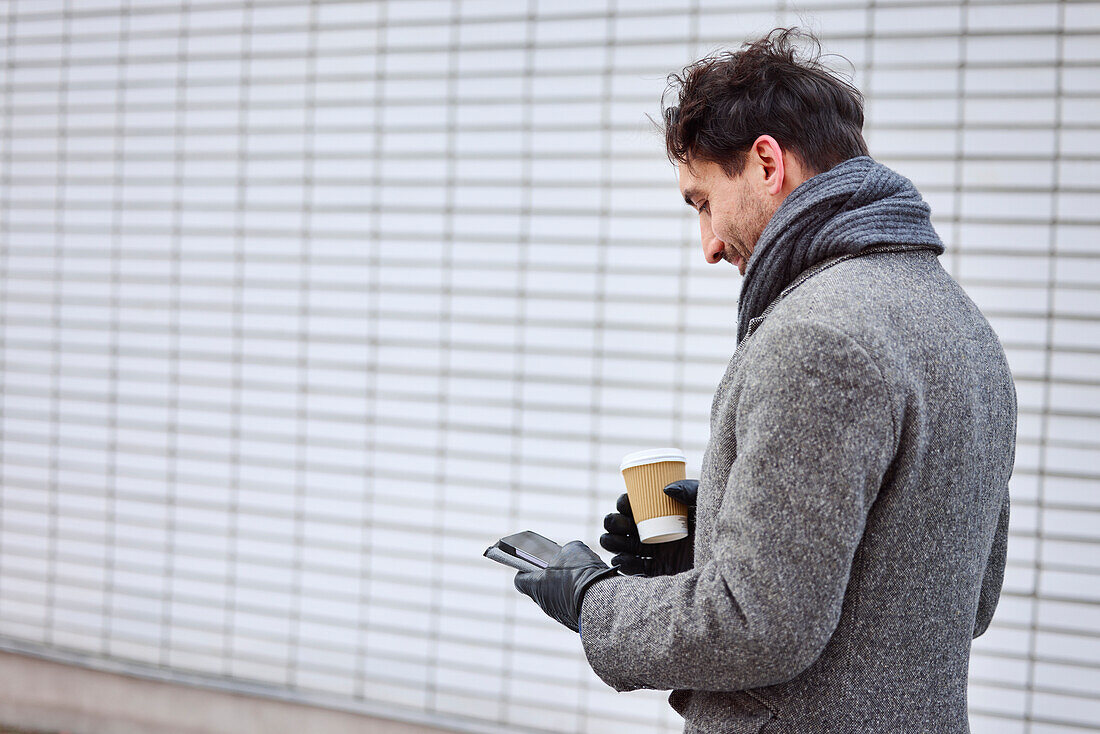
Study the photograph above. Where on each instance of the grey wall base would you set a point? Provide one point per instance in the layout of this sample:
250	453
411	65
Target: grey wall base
45	695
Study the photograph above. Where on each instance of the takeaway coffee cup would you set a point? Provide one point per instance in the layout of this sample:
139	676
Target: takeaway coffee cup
660	518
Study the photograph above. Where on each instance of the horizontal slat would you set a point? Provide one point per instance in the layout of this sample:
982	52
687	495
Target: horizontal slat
505	43
249	403
393	663
395	20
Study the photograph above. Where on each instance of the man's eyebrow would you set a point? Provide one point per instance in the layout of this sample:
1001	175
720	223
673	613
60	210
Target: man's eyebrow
689	195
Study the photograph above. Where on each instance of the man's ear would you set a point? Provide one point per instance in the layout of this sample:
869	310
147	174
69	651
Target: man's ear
769	156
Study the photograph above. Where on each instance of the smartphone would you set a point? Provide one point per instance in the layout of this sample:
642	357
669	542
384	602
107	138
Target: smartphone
526	551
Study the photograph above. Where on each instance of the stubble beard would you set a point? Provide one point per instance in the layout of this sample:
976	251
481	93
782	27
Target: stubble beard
756	219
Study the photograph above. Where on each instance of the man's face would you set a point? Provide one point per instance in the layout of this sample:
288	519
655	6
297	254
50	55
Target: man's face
732	211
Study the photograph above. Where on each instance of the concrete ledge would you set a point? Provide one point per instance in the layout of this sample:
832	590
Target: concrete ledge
45	695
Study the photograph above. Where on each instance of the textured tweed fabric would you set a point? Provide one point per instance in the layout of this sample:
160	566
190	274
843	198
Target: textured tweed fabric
853	205
852	516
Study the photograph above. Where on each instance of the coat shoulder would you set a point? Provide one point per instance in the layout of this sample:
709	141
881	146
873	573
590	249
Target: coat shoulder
887	302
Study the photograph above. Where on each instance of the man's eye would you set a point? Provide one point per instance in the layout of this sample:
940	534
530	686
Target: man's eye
705	206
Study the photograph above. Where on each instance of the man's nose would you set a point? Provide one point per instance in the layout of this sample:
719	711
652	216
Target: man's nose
713	249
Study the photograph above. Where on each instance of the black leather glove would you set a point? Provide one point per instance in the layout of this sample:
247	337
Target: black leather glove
636	558
559	588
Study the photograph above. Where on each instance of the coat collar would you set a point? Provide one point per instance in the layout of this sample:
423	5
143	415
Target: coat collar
817	268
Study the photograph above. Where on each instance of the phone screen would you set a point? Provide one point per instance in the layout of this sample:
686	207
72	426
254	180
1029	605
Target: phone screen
532	547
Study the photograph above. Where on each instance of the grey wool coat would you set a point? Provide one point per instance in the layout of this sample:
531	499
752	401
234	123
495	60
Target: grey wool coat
852	516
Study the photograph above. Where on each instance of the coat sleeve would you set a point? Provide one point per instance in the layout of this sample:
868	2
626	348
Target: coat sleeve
994	573
815	433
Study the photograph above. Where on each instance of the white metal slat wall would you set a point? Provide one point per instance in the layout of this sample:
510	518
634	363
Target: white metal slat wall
289	288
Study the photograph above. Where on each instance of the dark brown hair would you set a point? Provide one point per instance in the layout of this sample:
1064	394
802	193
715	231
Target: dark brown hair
729	99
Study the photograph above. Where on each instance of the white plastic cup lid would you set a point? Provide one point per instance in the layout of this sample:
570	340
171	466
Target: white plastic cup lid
664	529
651	456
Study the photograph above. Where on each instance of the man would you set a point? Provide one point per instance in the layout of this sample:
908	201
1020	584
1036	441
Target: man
852	510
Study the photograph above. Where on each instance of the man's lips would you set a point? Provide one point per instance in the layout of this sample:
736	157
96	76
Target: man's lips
731	256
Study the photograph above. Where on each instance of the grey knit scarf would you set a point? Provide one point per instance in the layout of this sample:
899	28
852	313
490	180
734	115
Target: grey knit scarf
852	206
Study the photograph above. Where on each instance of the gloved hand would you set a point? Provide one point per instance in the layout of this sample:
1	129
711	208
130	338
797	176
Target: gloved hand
559	588
636	558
